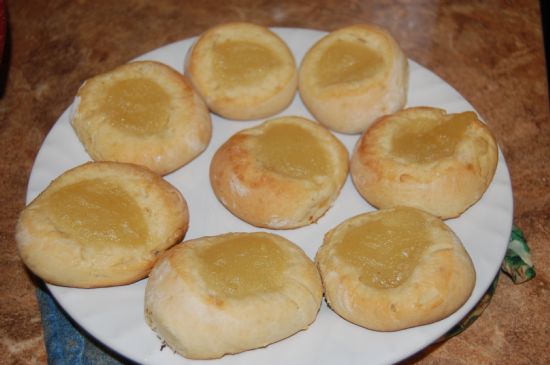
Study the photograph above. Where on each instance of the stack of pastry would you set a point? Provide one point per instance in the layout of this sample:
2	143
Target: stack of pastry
106	223
101	224
242	70
144	113
425	158
352	76
230	293
284	173
394	268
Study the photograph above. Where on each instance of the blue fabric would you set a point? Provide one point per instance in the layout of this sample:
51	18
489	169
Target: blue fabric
66	343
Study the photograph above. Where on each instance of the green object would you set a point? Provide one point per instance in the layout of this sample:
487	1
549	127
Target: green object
517	261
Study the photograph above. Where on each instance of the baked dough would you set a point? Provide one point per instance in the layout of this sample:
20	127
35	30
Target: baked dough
144	113
243	71
100	224
230	293
394	268
352	76
284	173
425	158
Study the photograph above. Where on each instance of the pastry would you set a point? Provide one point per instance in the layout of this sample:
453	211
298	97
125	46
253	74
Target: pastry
425	158
393	269
144	113
284	173
352	76
243	71
100	224
226	294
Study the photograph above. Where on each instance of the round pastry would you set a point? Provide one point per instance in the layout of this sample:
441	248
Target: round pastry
144	113
284	173
100	224
352	76
230	293
394	268
423	157
243	71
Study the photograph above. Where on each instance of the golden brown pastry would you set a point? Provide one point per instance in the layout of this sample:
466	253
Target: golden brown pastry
394	268
100	224
144	113
425	158
284	173
242	70
226	294
352	76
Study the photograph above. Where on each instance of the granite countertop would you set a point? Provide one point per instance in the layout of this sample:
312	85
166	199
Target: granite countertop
491	52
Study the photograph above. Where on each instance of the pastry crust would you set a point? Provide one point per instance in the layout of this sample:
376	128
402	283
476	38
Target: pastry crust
266	95
440	283
186	132
352	106
60	256
444	187
200	323
267	198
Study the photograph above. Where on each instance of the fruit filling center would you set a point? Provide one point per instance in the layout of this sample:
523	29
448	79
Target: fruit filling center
346	62
138	106
428	140
242	265
386	249
293	151
97	212
242	62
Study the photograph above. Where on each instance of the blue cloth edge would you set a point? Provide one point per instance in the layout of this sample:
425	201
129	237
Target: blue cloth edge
66	342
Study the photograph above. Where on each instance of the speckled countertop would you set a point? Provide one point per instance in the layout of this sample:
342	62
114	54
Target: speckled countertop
490	51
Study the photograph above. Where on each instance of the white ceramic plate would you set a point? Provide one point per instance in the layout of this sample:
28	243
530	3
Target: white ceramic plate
115	315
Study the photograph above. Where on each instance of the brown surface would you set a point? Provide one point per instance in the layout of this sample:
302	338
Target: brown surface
491	52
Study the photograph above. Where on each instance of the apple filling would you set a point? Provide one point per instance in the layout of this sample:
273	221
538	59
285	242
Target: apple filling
242	265
346	61
428	140
242	62
293	151
97	212
138	106
385	249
